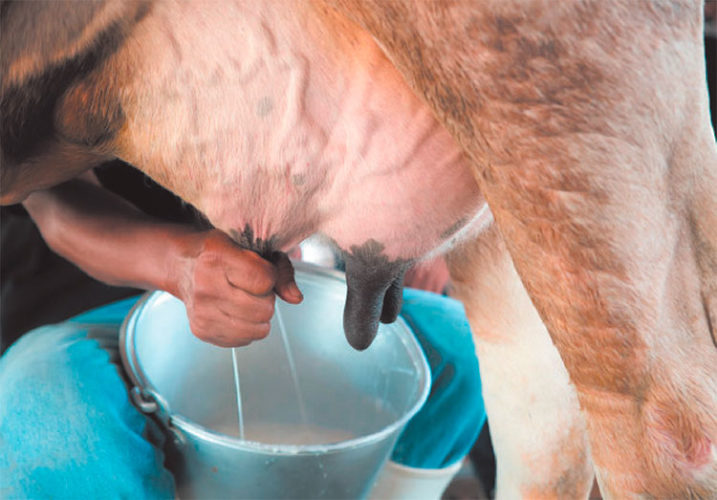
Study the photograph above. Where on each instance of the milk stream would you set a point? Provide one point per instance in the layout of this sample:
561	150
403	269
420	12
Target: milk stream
238	390
292	370
292	366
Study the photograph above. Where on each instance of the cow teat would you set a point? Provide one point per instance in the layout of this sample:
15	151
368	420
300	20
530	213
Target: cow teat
264	247
375	291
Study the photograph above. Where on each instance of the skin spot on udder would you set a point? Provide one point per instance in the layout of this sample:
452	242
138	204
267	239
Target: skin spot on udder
264	106
246	239
298	179
375	291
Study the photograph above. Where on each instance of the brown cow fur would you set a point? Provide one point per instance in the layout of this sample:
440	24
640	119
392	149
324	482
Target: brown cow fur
591	140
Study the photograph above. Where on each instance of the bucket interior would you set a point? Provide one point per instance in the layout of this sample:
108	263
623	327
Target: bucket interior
343	395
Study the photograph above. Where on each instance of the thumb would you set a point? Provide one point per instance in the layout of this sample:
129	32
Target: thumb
285	286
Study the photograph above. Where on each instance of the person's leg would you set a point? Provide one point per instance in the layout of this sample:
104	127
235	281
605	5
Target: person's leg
448	424
67	427
428	453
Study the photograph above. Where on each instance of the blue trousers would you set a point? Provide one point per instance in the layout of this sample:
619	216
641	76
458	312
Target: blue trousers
68	429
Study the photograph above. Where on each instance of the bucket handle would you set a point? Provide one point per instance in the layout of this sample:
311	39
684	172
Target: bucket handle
148	403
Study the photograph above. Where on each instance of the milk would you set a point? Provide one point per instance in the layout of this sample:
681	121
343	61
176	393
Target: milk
285	434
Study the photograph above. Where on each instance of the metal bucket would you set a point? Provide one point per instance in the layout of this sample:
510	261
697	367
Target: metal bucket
328	439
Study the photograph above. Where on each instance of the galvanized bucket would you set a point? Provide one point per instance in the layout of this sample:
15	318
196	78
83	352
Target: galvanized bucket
321	430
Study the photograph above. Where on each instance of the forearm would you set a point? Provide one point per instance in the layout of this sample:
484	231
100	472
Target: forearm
110	239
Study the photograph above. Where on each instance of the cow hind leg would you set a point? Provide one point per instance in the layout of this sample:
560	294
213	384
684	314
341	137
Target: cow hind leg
612	226
538	432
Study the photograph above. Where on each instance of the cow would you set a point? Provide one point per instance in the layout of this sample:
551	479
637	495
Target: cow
560	154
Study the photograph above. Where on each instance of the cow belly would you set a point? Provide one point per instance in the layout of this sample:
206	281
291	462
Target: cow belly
255	116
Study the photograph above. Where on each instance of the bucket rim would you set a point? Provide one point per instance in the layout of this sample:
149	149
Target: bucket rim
141	381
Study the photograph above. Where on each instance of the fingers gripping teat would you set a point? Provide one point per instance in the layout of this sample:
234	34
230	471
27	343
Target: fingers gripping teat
375	292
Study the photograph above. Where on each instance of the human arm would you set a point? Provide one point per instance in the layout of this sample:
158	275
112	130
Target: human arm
228	291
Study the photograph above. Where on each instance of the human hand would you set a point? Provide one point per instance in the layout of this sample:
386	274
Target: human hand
228	291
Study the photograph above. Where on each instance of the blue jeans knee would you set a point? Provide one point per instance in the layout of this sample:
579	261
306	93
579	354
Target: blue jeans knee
447	425
67	427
